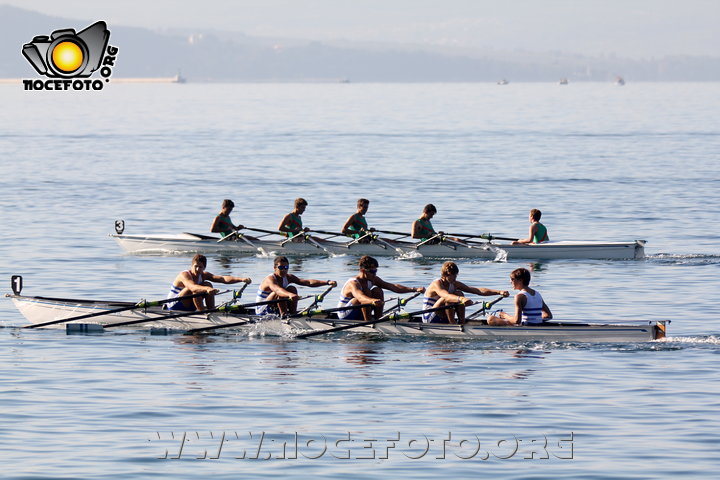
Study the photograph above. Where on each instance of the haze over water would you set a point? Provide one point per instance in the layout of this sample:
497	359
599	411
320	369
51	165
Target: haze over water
600	161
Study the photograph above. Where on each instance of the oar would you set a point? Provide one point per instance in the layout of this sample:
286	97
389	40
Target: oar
384	318
246	240
309	239
323	232
318	299
236	295
273	232
222	308
437	235
485	236
140	304
485	306
401	302
357	240
312	313
390	232
375	238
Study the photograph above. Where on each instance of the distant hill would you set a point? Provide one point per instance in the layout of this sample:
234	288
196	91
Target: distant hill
232	56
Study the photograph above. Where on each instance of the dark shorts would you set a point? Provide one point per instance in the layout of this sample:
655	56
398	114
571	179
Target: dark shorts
178	306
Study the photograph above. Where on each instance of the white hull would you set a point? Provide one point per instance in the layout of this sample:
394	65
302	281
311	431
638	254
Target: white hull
40	310
185	243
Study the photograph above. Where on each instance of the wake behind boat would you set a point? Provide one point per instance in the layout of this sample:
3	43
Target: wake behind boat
100	315
376	245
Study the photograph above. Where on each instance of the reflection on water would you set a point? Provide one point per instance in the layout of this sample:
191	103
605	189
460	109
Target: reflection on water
446	354
362	355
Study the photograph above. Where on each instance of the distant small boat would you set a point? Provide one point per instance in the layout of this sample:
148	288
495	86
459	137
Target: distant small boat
502	82
179	78
563	81
619	81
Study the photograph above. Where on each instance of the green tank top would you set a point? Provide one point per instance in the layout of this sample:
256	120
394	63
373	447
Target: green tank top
426	229
226	226
541	234
295	225
358	225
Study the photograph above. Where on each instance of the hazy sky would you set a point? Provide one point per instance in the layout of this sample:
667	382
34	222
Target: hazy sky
630	28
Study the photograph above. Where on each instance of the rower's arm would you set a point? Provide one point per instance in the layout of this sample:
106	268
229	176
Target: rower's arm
397	288
345	229
283	227
416	227
194	287
358	294
314	283
520	301
215	227
485	292
546	313
449	297
531	233
226	278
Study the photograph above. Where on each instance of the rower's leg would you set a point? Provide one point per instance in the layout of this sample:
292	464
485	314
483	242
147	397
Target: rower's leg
460	310
281	306
378	293
448	314
209	298
190	303
290	305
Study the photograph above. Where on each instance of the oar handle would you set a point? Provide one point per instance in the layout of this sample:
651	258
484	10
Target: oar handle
488	305
403	301
321	297
485	307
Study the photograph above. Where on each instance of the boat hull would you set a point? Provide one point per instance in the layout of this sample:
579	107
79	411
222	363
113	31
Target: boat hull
188	243
42	309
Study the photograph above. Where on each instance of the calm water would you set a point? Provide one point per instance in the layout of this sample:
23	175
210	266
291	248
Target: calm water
602	162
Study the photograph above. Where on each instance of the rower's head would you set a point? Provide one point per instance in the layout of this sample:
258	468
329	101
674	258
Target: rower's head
535	215
368	266
281	265
362	205
429	210
449	270
300	204
520	278
198	265
227	206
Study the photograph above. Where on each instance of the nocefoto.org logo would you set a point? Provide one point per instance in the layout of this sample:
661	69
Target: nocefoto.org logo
67	57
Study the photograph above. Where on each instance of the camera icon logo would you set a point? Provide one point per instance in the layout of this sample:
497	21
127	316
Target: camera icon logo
68	54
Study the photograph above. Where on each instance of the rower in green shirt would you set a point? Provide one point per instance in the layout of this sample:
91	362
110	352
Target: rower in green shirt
356	226
291	224
538	232
422	229
222	223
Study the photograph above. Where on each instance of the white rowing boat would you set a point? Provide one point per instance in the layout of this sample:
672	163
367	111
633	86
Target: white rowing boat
40	310
491	250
